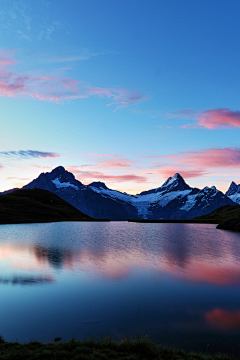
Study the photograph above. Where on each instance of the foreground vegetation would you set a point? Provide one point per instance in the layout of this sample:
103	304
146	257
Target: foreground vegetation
227	217
128	349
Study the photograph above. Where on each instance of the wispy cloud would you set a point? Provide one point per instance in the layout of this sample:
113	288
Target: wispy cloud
208	119
182	114
102	161
26	154
89	176
128	100
216	157
20	19
58	89
82	55
46	30
148	156
104	155
193	164
167	171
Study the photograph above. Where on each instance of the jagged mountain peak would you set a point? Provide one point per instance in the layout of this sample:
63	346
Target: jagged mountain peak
233	189
62	175
175	183
60	171
59	177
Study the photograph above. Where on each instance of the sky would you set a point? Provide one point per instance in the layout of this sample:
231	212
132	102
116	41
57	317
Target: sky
127	92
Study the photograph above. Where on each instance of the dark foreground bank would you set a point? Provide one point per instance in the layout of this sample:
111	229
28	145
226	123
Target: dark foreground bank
128	349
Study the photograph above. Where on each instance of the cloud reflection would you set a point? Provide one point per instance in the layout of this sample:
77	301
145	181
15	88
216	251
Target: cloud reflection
173	251
223	320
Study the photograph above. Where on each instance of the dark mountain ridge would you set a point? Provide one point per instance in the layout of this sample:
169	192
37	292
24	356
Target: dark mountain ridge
175	199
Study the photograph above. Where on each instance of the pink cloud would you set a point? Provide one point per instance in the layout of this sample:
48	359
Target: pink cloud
95	175
114	163
217	158
100	161
219	118
57	89
208	119
196	163
193	164
185	173
129	100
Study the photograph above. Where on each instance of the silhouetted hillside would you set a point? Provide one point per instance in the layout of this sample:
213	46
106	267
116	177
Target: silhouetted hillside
36	206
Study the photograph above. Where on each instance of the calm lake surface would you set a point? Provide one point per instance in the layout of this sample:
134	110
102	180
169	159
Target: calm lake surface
176	283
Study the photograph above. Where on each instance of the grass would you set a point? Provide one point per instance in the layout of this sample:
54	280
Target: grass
102	349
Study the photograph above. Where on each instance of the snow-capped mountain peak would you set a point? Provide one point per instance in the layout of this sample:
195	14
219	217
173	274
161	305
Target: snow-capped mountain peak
175	183
234	192
233	189
62	174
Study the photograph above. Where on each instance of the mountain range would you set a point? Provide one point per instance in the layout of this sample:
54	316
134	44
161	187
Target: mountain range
175	199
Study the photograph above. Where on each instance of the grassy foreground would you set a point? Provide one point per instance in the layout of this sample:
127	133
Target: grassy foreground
127	349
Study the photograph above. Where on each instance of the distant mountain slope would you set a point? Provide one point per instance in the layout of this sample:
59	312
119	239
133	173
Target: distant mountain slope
91	200
36	205
173	200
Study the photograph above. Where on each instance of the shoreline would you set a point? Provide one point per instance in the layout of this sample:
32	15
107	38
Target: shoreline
104	348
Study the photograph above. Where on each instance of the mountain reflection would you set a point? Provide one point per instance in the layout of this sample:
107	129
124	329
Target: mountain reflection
54	255
28	280
192	253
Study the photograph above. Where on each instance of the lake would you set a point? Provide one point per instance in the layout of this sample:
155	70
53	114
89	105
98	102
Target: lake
178	284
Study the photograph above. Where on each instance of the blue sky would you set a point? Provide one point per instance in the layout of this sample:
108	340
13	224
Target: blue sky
127	92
